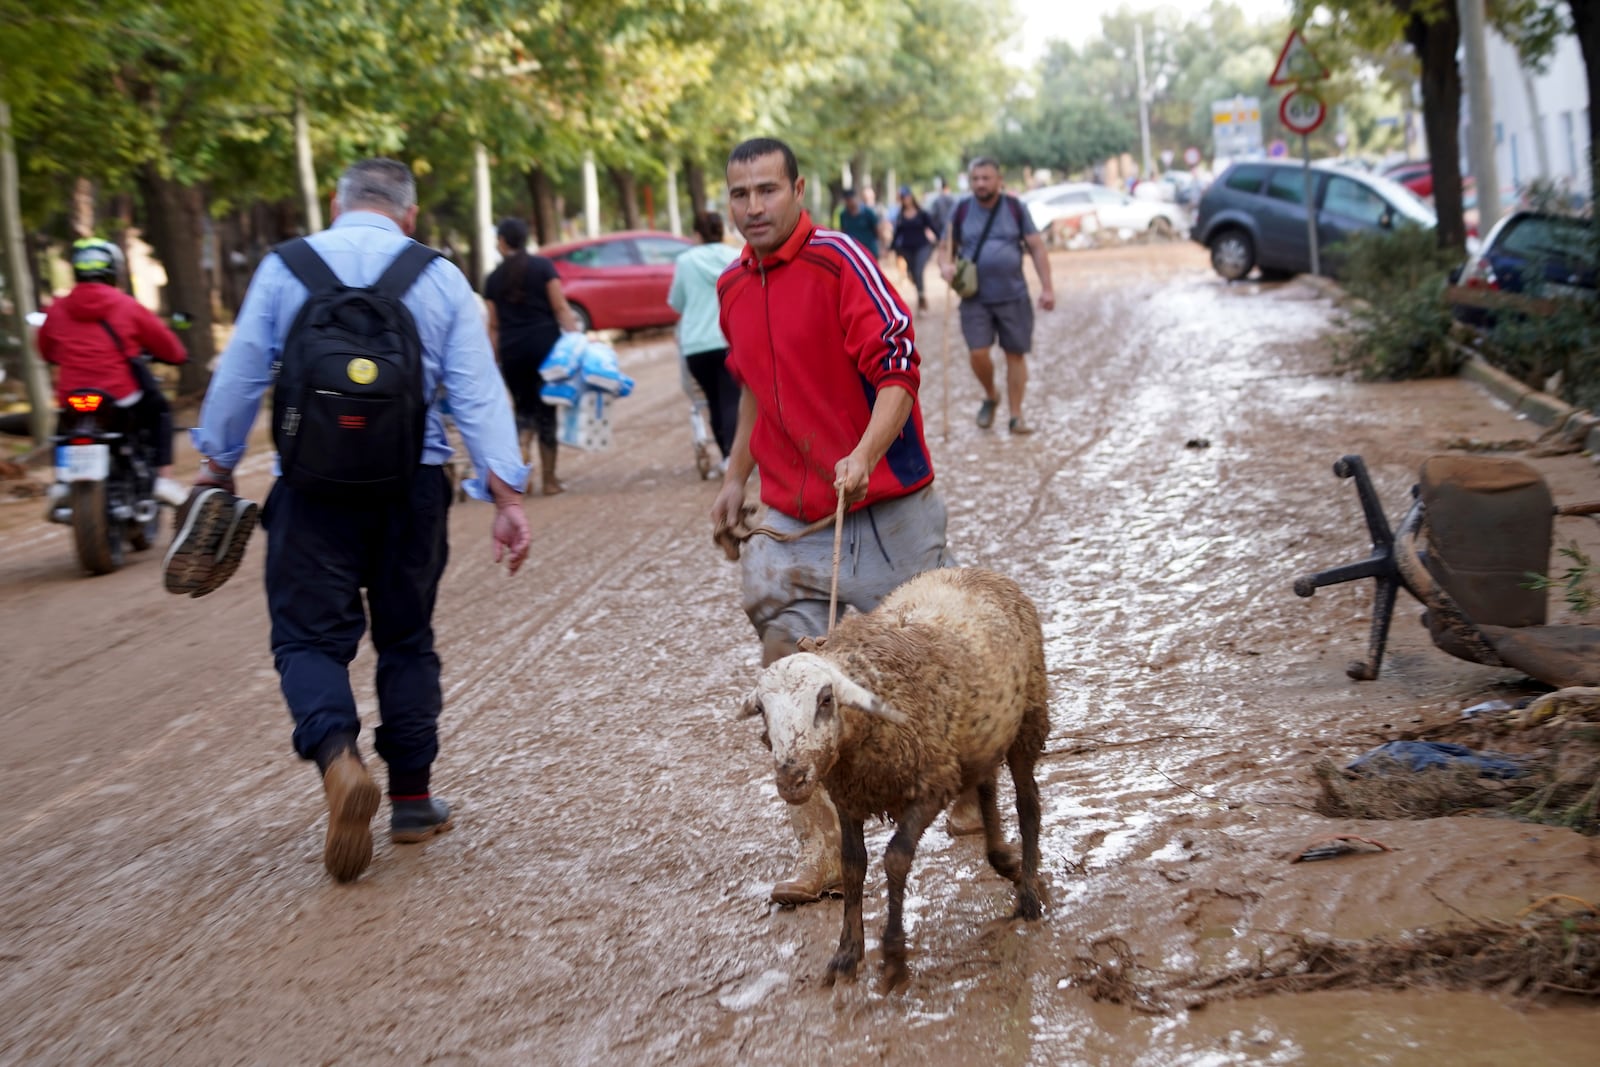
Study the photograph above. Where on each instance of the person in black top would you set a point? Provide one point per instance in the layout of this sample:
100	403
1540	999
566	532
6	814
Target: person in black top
914	239
527	314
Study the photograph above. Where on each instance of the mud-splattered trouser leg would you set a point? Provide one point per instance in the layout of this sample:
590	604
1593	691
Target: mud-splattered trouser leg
321	554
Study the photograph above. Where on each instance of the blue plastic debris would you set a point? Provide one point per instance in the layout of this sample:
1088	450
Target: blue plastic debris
1438	755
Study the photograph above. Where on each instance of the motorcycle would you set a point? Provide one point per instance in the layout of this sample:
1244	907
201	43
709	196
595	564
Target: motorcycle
104	481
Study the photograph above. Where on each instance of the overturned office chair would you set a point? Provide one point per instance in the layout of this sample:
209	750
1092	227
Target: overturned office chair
1477	528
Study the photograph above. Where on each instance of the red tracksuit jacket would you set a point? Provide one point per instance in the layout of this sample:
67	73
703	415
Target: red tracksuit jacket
73	338
814	331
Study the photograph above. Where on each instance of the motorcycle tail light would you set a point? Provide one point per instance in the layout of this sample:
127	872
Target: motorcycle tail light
80	440
84	401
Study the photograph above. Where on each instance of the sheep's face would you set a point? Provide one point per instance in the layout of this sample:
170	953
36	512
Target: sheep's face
798	699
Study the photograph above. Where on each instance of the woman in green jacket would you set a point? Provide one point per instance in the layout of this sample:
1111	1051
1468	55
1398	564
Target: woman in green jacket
700	342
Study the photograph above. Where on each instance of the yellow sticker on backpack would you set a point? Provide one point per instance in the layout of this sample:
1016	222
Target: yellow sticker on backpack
362	371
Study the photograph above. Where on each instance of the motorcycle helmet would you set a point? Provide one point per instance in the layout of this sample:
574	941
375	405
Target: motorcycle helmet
95	259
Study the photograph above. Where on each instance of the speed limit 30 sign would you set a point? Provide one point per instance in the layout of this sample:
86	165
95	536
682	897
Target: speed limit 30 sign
1302	111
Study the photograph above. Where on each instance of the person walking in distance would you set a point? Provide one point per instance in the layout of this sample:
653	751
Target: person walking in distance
370	513
828	370
914	238
990	229
693	295
860	221
527	313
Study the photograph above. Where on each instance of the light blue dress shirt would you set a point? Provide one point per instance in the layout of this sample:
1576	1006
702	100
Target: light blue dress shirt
358	247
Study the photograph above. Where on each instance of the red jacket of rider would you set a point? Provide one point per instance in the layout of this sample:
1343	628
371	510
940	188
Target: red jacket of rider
73	338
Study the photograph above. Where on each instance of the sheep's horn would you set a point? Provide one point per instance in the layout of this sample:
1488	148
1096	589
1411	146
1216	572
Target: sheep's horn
863	699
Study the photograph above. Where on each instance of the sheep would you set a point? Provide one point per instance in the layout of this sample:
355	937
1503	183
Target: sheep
900	710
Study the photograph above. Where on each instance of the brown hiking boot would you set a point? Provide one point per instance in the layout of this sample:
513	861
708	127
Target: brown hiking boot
352	802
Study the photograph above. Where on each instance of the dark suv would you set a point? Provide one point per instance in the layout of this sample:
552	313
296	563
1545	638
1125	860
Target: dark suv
1254	215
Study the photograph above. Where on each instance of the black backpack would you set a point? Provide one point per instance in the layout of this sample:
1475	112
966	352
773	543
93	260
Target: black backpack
348	410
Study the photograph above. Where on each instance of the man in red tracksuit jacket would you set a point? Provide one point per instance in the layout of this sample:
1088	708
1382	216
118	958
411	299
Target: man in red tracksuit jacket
822	349
92	335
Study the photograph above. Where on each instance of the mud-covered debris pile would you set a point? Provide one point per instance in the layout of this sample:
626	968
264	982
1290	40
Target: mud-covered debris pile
1553	949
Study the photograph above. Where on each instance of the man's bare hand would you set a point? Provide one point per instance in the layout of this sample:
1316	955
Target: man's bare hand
850	476
947	271
728	508
512	537
1047	299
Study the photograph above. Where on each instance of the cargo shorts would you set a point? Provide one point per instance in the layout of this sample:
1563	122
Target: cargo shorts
785	584
1011	321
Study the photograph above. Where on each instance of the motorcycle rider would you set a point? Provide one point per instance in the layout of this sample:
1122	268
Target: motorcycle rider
92	336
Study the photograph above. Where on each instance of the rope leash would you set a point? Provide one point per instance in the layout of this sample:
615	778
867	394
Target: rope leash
944	359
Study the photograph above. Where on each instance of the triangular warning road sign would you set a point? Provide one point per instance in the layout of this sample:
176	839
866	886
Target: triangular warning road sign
1296	63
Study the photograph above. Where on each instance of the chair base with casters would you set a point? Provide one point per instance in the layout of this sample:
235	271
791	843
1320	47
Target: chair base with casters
1477	531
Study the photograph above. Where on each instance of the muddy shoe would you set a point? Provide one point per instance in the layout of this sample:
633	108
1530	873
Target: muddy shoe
807	887
416	820
202	522
986	414
1020	427
243	516
352	802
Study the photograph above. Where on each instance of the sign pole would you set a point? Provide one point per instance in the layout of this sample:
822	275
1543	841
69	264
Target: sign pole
1311	207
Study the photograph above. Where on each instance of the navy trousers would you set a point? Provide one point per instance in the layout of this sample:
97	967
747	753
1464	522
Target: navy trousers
321	555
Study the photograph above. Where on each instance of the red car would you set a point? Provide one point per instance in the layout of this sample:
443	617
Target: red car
619	281
1414	174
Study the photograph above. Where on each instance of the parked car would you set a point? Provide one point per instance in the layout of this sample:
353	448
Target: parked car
1414	174
1529	261
1254	215
619	281
1112	210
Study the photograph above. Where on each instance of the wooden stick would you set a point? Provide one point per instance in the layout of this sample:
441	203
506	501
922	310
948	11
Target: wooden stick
838	541
944	358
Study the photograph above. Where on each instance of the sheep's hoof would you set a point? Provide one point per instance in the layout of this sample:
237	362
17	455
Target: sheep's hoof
1007	863
1027	904
894	974
843	965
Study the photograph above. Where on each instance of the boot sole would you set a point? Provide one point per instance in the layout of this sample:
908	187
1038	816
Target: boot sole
246	513
192	559
348	850
793	897
412	837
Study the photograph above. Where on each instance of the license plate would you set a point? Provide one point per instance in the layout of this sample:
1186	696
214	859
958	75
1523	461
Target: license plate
83	463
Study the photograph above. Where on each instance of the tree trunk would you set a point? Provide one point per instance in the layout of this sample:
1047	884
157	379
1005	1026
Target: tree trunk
176	216
35	377
546	218
1586	27
305	167
83	218
1435	43
627	188
695	175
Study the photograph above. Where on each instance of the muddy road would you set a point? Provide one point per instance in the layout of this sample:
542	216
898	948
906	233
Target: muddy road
603	896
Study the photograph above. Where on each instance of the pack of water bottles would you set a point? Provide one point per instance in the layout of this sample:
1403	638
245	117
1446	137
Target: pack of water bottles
582	378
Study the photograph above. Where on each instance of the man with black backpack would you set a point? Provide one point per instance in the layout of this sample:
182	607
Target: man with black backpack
358	329
980	256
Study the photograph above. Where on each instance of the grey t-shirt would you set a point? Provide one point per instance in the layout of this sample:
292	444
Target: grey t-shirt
1000	261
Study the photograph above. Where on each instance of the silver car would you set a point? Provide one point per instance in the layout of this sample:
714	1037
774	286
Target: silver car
1254	215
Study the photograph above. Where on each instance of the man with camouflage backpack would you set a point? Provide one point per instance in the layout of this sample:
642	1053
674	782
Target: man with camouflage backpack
357	329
